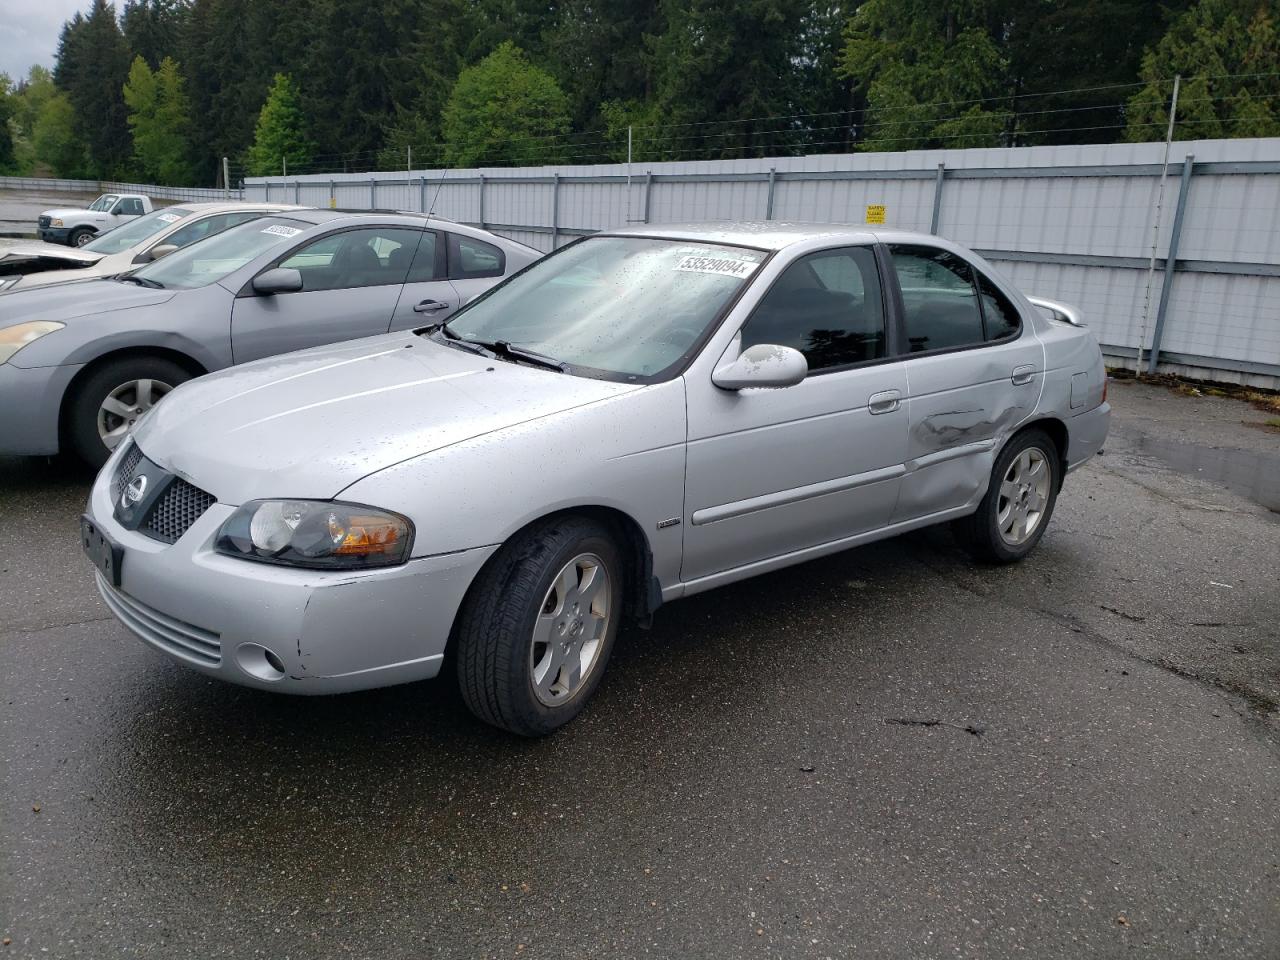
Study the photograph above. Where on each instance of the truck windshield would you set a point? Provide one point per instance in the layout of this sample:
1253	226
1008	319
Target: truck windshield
104	202
208	261
135	231
625	308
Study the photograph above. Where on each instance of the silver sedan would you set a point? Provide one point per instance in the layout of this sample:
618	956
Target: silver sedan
638	417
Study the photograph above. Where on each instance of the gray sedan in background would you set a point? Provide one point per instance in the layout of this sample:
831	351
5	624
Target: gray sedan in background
80	362
638	417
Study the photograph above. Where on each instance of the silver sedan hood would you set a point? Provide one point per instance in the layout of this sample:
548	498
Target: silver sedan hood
309	424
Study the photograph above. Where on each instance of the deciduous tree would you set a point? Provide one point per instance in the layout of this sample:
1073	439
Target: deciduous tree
504	110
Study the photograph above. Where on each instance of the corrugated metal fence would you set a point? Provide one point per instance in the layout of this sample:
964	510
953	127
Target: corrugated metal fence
1072	223
56	185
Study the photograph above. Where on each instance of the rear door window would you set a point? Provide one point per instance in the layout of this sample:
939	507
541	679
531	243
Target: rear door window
939	298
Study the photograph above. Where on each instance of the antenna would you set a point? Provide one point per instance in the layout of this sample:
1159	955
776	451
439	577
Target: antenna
436	196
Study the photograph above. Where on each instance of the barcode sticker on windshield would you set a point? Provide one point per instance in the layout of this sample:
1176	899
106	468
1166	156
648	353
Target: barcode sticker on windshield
279	231
168	217
722	265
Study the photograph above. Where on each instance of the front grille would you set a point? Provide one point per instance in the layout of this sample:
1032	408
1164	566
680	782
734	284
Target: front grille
178	508
43	221
124	472
174	637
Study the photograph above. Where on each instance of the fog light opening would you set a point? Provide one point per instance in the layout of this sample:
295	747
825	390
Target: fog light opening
257	661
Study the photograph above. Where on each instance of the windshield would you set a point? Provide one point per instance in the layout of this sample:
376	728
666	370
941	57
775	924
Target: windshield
208	261
104	202
625	306
135	231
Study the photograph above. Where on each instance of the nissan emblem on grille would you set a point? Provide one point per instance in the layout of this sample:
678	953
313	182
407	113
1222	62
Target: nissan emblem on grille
134	491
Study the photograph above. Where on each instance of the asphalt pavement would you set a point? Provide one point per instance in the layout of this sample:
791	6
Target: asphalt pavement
889	753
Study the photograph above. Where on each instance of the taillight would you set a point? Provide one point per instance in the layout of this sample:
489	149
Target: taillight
1106	380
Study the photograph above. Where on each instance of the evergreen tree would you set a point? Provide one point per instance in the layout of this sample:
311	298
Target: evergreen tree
931	71
724	67
160	119
153	28
1228	53
504	110
280	136
92	66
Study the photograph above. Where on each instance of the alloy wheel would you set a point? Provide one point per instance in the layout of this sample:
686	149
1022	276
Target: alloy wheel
124	405
1024	494
570	630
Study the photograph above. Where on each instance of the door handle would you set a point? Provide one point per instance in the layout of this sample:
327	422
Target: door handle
1023	375
886	401
430	306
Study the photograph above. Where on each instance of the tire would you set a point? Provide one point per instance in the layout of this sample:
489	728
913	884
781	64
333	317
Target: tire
78	238
509	675
1017	490
111	382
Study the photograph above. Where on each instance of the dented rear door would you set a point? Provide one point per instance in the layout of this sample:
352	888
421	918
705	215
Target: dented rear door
974	372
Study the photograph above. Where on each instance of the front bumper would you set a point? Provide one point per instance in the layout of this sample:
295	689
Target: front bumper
1086	433
332	631
55	234
32	400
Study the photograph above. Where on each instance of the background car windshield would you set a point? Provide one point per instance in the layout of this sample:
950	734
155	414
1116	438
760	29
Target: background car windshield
210	260
104	202
628	306
135	231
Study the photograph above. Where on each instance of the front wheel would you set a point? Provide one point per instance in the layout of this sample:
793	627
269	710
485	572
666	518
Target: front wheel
1020	498
538	626
108	402
80	237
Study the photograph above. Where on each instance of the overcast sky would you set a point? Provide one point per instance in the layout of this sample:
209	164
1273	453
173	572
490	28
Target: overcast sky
29	32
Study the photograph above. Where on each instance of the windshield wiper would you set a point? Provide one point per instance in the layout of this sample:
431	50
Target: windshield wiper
141	281
506	350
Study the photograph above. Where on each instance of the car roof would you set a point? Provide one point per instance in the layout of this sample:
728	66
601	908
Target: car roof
322	216
770	234
228	206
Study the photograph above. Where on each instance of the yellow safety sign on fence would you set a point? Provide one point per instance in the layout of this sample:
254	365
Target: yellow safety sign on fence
333	203
875	213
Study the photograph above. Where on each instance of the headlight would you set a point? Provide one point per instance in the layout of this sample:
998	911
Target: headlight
317	534
55	222
13	339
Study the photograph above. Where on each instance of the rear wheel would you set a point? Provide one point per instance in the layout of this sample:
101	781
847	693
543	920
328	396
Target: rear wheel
111	399
1020	498
78	238
537	628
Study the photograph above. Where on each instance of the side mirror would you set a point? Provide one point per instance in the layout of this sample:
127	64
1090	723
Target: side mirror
766	365
163	250
279	280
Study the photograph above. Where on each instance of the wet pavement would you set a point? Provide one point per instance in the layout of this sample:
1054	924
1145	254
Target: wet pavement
889	753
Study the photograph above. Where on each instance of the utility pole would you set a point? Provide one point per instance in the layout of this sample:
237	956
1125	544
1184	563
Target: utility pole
284	166
1155	226
628	173
408	163
226	178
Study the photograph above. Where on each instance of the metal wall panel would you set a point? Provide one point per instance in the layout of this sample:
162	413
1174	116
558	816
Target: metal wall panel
1087	210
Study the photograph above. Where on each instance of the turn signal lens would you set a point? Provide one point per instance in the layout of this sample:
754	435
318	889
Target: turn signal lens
318	534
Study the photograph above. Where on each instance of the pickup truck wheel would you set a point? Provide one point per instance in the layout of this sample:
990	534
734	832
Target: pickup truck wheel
108	402
1020	498
537	629
80	237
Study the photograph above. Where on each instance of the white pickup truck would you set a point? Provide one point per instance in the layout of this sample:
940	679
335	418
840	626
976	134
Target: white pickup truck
76	227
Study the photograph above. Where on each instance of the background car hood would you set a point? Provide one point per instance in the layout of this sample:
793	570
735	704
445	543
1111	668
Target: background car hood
76	298
309	424
12	250
68	211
